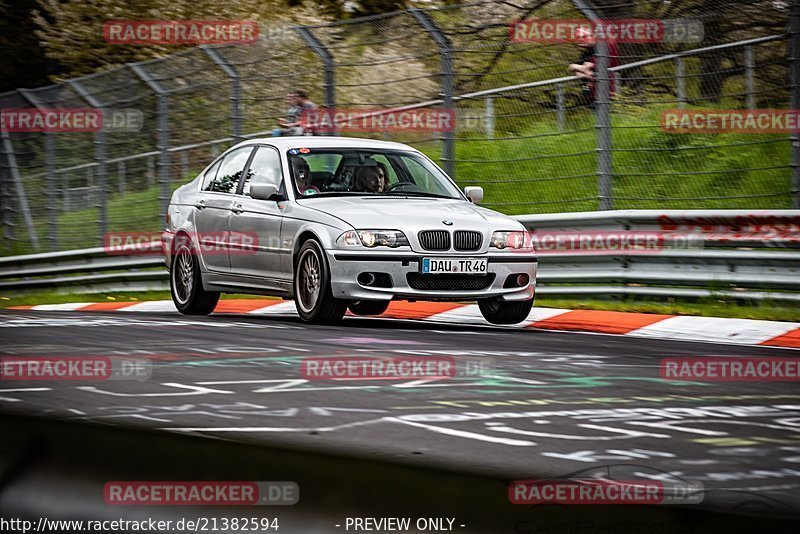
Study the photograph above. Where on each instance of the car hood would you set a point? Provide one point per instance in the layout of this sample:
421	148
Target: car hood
414	214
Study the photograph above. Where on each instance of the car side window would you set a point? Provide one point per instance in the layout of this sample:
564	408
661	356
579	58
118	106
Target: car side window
208	177
264	169
230	171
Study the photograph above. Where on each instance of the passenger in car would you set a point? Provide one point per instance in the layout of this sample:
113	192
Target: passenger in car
302	176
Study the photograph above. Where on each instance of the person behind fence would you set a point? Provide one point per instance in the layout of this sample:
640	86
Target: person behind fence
293	123
584	67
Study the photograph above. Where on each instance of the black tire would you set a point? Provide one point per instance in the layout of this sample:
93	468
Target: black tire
185	283
368	307
497	311
312	287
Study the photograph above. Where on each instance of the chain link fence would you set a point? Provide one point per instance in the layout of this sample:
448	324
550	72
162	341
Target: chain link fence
536	136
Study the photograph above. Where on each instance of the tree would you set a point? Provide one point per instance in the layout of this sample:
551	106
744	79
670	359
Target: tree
22	61
71	33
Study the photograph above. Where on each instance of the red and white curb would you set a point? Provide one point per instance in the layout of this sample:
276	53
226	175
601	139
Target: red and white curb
648	325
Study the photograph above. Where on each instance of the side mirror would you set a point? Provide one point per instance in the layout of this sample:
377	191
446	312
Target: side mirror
265	192
474	194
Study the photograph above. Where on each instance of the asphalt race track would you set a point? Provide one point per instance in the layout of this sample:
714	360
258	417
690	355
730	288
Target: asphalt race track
547	404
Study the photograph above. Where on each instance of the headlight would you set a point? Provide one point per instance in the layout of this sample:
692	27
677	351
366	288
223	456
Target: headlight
373	238
515	240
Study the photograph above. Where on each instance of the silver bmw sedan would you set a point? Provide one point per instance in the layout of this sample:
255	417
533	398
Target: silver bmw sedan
341	223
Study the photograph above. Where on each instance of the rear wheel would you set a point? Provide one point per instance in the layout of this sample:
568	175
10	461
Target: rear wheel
368	307
312	287
186	285
497	311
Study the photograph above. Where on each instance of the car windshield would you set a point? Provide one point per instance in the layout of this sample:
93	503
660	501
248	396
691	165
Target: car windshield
350	171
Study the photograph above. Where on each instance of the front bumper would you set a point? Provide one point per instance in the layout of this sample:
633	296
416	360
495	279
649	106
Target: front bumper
345	266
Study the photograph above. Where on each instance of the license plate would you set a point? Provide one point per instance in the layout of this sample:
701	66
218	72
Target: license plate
454	265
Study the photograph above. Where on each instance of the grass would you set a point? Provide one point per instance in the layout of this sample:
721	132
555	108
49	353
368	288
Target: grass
704	307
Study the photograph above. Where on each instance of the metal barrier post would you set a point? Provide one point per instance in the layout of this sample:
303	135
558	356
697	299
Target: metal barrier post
162	129
446	55
680	81
603	116
749	66
794	89
489	117
50	165
101	200
236	90
328	64
121	178
8	148
6	202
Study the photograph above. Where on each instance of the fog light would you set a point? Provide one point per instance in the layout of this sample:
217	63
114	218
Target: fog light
366	279
522	280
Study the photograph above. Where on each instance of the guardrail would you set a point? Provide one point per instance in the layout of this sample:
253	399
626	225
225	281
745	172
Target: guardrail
730	253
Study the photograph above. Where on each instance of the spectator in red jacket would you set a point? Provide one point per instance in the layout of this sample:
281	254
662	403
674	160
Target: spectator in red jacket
584	67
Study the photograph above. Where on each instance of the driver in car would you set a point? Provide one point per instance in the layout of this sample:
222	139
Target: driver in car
370	179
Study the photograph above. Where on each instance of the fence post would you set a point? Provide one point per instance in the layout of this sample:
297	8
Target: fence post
236	90
446	56
64	175
13	171
6	203
560	105
794	88
121	178
749	66
680	81
602	114
162	133
101	199
489	117
50	166
603	118
52	191
328	64
151	171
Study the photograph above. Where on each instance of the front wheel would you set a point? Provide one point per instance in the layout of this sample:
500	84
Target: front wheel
312	287
497	311
186	285
368	307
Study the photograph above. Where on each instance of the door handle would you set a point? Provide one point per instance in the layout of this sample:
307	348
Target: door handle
237	209
200	204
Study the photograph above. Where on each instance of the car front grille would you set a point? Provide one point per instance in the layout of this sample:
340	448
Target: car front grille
434	239
449	282
466	240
